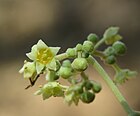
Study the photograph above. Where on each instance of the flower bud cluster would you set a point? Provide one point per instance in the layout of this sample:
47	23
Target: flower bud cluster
84	91
73	62
117	49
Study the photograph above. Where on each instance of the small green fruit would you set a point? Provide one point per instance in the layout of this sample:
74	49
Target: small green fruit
88	46
88	85
93	38
87	97
65	72
80	64
96	87
119	47
110	59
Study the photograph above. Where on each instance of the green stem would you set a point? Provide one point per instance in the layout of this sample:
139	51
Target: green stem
99	54
116	68
85	77
99	43
61	56
113	87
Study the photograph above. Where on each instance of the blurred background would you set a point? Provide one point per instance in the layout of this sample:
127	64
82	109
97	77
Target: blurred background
64	23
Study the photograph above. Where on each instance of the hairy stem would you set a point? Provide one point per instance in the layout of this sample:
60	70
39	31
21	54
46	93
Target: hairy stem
113	87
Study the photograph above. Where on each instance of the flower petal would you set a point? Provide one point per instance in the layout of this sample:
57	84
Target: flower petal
22	69
52	65
39	67
32	55
38	92
41	45
54	50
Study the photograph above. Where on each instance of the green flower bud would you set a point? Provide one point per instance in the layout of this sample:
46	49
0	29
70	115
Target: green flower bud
88	46
80	64
110	59
28	70
96	87
109	51
93	38
119	47
88	85
87	97
52	76
65	72
79	47
71	52
66	63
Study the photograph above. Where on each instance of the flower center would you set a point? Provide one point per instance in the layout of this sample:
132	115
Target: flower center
44	56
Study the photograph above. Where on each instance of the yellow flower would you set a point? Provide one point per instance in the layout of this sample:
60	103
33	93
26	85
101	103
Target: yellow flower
43	56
